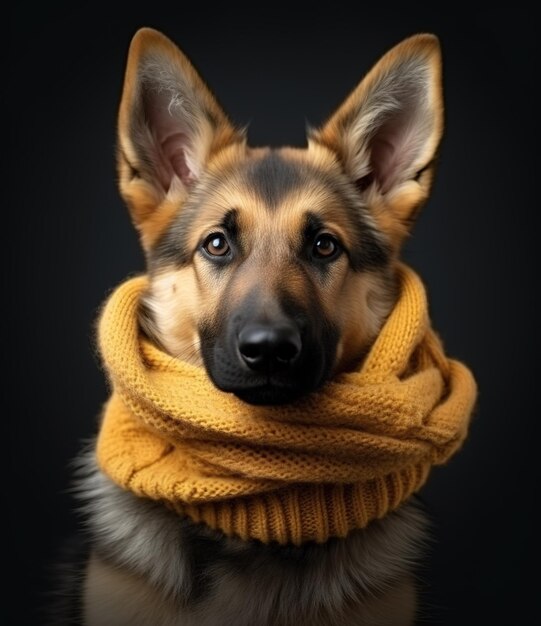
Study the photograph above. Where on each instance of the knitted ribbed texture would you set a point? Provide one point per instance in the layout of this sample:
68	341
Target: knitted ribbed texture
313	469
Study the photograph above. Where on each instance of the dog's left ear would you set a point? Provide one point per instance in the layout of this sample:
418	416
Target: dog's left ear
387	132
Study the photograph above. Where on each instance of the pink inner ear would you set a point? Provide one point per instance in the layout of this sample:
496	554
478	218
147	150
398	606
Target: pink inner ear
173	152
383	161
396	145
171	139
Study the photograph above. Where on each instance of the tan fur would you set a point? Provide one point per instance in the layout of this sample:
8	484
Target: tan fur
115	597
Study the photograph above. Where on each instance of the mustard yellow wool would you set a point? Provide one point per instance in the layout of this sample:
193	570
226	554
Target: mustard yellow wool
316	468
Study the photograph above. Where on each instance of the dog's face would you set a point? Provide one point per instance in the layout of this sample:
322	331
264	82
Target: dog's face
270	272
273	268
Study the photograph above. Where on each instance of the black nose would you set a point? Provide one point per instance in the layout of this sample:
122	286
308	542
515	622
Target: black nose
269	348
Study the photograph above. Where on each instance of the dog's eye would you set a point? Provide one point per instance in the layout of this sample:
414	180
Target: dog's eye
216	245
326	246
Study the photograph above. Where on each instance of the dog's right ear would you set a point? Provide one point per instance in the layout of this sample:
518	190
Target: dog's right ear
169	125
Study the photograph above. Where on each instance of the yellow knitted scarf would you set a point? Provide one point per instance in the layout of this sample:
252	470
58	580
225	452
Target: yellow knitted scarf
316	468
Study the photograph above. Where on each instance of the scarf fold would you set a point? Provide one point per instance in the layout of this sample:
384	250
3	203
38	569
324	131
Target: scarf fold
313	469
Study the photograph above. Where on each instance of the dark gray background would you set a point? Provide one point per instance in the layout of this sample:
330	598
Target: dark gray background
69	241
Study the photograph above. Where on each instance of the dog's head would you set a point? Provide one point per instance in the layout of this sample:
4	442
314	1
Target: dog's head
273	268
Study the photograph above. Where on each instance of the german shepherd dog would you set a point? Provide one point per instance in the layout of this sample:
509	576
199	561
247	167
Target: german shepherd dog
274	269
